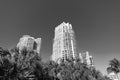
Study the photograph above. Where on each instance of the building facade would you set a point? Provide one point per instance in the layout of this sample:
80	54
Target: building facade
114	76
29	43
64	44
86	58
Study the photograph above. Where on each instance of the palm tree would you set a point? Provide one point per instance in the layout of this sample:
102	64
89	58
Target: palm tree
6	65
26	63
114	65
52	70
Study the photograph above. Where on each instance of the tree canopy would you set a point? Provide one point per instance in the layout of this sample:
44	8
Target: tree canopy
27	65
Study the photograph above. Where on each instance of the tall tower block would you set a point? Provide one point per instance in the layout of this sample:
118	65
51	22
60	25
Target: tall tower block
64	44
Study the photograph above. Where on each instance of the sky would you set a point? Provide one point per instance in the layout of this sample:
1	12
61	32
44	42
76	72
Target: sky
96	24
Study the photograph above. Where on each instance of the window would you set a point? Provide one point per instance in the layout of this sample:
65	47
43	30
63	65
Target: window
35	45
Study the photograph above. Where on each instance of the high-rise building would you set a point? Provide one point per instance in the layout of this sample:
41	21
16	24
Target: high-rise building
30	43
64	44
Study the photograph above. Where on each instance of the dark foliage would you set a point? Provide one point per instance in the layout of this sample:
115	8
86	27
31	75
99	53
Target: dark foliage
114	65
25	65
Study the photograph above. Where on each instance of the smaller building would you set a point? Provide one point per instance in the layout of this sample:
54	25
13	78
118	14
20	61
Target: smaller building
86	58
114	76
29	43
